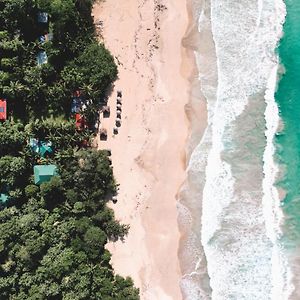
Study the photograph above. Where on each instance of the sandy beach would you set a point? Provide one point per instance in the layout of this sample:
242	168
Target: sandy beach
149	151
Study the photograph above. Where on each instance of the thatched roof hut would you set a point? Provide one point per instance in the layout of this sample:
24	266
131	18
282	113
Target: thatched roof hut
103	134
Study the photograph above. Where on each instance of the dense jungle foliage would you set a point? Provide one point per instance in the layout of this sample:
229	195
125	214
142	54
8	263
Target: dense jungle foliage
53	235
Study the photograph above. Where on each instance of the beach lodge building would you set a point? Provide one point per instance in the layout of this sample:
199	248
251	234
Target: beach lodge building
43	173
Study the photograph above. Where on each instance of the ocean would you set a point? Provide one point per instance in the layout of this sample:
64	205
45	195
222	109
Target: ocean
239	211
287	141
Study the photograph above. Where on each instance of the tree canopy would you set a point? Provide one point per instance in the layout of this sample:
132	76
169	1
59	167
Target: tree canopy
75	59
53	235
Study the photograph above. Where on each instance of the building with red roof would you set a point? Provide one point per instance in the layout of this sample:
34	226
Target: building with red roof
80	122
3	114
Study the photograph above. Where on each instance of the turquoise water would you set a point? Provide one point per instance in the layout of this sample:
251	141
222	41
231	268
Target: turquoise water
288	140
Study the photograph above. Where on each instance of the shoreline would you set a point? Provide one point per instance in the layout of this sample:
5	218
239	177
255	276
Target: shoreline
195	281
149	153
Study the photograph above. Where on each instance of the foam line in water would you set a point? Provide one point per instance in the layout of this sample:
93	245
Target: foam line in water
281	285
236	235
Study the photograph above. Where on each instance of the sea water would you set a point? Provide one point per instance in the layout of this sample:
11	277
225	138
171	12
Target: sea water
239	235
287	141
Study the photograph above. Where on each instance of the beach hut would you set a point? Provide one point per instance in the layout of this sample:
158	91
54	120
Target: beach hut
3	114
106	111
43	173
42	17
119	93
103	134
42	58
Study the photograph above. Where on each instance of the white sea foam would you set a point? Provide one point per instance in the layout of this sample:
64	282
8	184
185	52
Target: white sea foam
195	280
237	233
282	286
281	273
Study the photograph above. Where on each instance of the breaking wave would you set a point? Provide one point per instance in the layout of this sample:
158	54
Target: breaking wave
229	211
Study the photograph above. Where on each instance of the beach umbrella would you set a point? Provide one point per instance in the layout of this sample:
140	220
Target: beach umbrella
119	93
118	122
119	106
119	100
116	130
114	199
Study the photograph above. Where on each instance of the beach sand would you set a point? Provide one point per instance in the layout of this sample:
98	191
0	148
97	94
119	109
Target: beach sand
149	152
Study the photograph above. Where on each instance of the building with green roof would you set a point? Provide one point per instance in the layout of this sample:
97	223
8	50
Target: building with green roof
43	173
45	148
41	147
3	198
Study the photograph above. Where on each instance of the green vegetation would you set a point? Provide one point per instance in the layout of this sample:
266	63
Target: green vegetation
53	236
75	59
